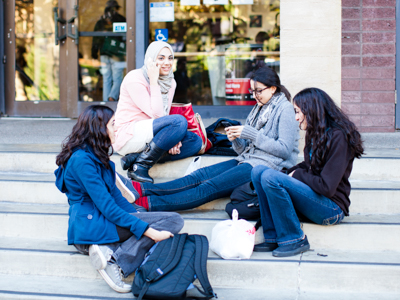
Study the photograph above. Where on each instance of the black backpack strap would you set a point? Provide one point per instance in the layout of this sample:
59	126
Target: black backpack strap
200	265
173	258
258	224
144	290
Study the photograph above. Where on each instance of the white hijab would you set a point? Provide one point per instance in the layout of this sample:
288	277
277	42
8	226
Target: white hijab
164	81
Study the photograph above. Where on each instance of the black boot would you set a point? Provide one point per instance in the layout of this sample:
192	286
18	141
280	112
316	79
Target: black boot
140	169
128	160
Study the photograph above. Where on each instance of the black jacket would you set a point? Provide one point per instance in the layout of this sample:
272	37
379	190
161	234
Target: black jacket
333	181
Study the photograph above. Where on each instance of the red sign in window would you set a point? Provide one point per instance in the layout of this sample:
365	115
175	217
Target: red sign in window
237	92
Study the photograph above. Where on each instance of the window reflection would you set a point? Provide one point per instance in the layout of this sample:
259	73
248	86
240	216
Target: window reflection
102	52
217	47
36	55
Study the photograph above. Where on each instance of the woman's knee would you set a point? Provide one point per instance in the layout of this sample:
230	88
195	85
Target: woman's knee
177	222
270	177
257	171
179	121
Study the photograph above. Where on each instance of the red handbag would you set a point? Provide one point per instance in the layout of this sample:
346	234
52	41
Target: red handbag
195	124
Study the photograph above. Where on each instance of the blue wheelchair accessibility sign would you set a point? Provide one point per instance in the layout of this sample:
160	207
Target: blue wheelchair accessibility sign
162	35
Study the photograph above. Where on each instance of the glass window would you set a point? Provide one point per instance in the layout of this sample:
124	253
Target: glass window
102	50
36	55
217	47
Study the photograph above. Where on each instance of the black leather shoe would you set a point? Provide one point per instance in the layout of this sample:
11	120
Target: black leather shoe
146	159
265	247
292	249
128	160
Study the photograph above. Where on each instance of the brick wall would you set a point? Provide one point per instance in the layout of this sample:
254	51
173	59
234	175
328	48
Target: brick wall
368	63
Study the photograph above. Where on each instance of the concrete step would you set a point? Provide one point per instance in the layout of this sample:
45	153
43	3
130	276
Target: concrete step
367	196
357	232
377	164
25	287
18	287
319	271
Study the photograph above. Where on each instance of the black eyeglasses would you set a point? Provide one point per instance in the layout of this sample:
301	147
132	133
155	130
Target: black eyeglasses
258	92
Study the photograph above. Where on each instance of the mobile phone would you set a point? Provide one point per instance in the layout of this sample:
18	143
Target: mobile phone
226	124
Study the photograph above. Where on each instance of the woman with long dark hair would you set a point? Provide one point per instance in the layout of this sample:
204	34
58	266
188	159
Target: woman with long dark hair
268	138
318	188
100	218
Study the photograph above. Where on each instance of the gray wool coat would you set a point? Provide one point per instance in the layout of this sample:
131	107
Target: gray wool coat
275	143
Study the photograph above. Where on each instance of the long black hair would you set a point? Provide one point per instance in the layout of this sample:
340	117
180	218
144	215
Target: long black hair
90	129
322	115
269	78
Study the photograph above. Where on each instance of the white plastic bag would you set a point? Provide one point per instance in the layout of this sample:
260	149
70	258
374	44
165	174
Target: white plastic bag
233	239
194	165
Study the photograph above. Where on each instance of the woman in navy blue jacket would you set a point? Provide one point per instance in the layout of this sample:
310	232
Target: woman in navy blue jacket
99	216
318	188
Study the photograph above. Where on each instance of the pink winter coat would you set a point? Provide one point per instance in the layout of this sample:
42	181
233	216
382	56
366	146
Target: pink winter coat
137	101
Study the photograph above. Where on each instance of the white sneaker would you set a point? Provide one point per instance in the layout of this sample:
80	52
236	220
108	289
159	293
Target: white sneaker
99	256
112	275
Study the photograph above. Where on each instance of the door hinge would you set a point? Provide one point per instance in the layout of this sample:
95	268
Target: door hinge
4	59
395	96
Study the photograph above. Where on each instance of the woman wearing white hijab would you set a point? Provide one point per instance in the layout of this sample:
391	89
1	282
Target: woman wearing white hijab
142	121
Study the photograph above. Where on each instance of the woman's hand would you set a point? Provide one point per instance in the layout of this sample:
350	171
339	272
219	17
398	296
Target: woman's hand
234	132
153	71
176	149
158	236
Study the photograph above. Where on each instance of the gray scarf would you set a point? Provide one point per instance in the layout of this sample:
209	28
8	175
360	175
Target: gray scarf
260	115
164	82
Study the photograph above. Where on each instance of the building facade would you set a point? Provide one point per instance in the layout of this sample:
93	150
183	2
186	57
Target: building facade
60	56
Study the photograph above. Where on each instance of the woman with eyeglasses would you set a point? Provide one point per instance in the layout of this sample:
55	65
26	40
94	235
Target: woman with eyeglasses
268	138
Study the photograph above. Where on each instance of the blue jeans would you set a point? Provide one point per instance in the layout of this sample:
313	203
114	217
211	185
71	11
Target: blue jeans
281	196
170	130
201	186
113	73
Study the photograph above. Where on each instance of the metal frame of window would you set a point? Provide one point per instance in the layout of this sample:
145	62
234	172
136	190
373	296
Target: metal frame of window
2	57
397	105
142	31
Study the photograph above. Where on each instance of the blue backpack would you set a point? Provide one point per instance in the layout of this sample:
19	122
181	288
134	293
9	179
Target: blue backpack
171	266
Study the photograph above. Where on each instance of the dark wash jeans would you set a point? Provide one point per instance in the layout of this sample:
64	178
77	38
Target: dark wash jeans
169	131
280	197
202	186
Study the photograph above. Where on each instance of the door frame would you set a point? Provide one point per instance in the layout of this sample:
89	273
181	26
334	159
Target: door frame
21	108
2	60
397	105
68	104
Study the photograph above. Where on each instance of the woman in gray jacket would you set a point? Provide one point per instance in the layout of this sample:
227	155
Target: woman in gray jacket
269	138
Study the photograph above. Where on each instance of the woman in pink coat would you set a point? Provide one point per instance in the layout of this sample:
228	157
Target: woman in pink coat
144	129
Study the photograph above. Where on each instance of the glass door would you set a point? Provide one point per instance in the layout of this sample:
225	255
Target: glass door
63	55
32	59
104	50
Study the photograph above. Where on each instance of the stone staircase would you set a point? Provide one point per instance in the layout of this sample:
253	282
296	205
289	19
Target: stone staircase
359	259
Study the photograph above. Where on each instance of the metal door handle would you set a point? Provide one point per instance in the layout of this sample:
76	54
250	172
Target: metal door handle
71	23
56	29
